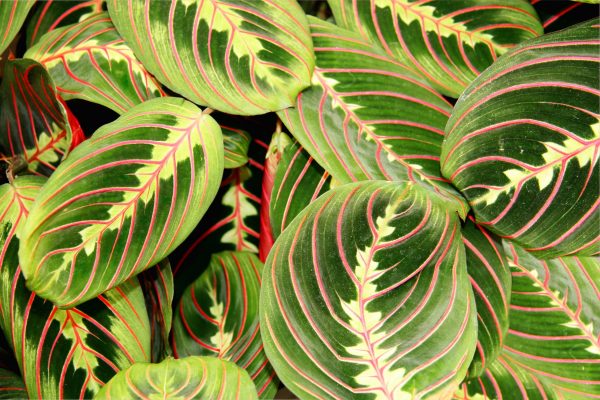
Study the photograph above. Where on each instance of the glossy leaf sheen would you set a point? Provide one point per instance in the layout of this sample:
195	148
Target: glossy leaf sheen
241	57
447	42
523	144
368	117
555	322
64	353
491	281
218	316
122	201
89	60
366	294
187	378
33	123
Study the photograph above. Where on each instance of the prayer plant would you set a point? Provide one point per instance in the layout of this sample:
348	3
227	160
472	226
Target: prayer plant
236	199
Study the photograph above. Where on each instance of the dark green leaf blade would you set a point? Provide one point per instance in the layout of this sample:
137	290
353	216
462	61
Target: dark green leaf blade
366	293
12	16
218	316
523	144
11	386
33	122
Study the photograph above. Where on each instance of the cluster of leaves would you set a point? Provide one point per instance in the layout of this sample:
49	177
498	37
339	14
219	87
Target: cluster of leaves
414	246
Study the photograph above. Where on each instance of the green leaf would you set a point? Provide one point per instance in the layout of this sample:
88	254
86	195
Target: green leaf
33	122
298	181
240	57
53	14
491	281
187	378
122	201
64	353
11	385
448	42
236	143
231	223
368	117
157	284
89	60
366	294
12	16
218	316
555	321
522	144
505	380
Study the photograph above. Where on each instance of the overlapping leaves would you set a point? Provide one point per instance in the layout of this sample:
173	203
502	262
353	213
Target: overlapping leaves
122	201
448	42
89	60
240	57
367	116
64	353
523	144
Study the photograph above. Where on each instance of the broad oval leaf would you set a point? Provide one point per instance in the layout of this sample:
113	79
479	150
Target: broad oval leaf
186	378
491	281
11	385
53	14
89	60
12	16
523	144
157	285
298	181
33	122
236	143
366	293
218	316
505	380
447	42
368	117
240	57
555	321
122	201
64	353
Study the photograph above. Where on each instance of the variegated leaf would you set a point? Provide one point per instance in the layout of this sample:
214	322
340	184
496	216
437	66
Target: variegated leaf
231	223
64	353
122	201
33	122
524	140
555	322
12	16
447	42
298	181
504	380
241	57
11	386
367	116
491	281
157	284
366	294
53	14
279	141
218	316
187	378
236	143
89	60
